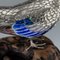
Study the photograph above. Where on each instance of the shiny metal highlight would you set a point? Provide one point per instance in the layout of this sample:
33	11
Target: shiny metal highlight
43	13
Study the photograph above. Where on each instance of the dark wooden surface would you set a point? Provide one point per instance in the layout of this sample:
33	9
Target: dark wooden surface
12	46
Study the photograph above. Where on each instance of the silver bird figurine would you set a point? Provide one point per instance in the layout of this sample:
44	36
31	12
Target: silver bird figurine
43	13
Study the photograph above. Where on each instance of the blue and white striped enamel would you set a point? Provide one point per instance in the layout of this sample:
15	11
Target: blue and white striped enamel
26	28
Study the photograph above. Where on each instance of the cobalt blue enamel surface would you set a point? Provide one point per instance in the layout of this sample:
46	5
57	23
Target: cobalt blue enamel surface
20	28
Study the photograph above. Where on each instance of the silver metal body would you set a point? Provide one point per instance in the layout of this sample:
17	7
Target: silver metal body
44	13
